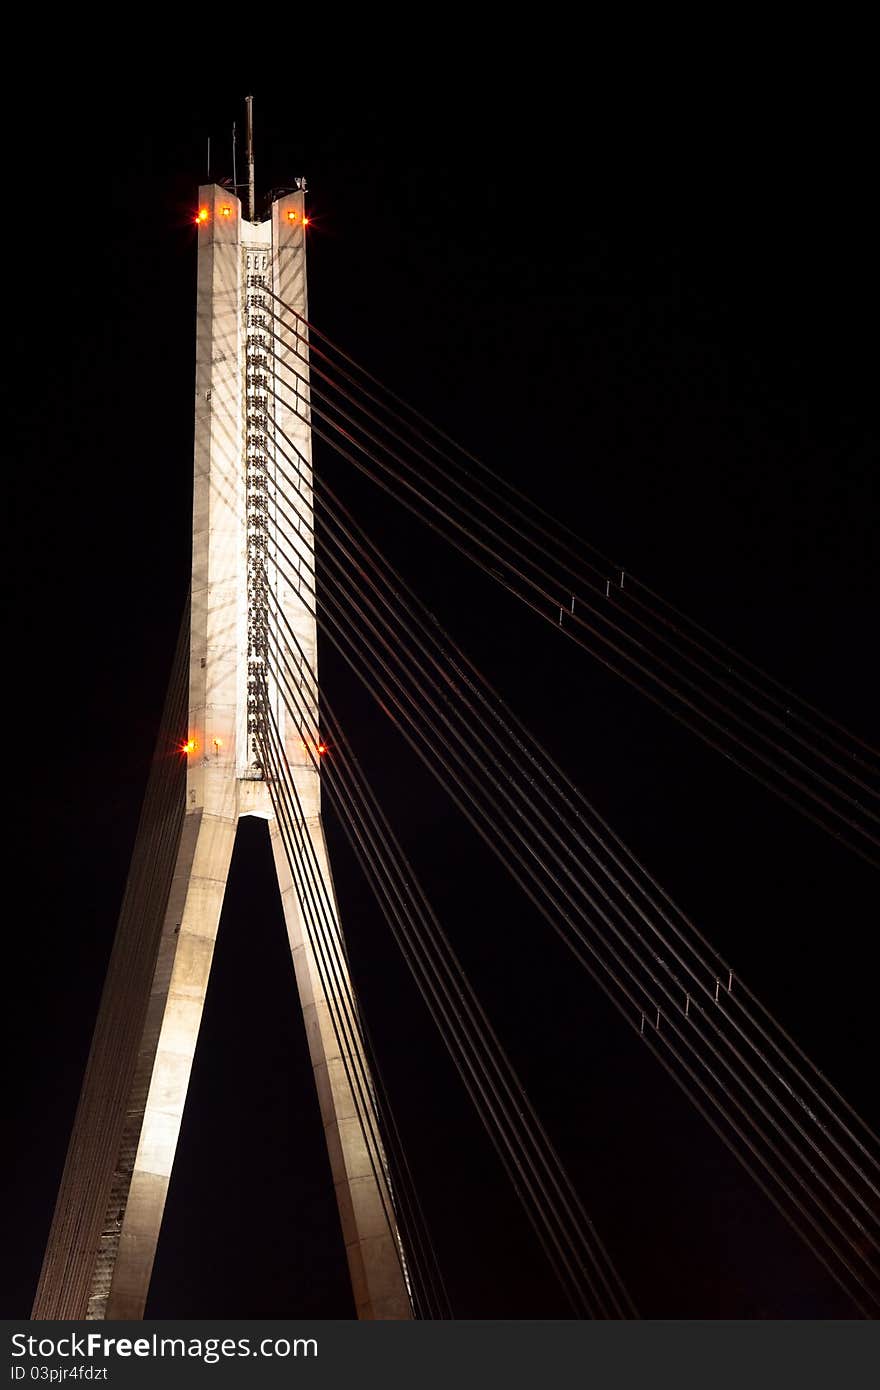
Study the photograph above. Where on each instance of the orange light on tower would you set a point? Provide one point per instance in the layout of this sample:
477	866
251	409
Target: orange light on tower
291	216
201	216
189	746
321	747
306	221
226	210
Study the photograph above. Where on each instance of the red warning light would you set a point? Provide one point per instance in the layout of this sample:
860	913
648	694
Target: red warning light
226	210
202	215
189	746
306	221
291	216
321	747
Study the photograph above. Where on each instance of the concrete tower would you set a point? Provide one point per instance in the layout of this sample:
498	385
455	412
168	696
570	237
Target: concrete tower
106	1224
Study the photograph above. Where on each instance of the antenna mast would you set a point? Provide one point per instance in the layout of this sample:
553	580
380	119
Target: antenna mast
249	103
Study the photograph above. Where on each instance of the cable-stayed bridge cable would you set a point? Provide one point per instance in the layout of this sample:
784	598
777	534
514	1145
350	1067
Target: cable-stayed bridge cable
826	1212
712	968
554	534
548	601
367	825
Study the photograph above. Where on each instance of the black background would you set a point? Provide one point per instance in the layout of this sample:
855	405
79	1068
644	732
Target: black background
654	308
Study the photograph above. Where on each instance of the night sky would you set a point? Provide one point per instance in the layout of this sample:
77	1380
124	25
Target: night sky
657	317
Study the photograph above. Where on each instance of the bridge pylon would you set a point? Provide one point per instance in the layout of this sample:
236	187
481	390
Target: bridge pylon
206	775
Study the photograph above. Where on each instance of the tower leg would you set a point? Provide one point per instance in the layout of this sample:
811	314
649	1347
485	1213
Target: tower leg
357	1162
175	1012
84	1235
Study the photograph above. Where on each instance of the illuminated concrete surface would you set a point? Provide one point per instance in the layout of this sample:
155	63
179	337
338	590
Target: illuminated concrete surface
104	1235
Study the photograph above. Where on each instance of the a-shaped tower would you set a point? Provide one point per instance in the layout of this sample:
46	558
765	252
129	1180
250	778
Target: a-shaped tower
106	1225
